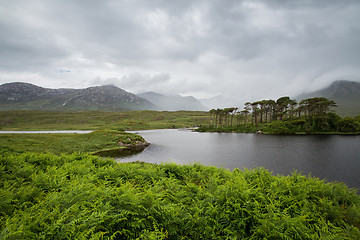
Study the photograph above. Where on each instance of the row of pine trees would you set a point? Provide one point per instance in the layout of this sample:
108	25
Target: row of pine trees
269	110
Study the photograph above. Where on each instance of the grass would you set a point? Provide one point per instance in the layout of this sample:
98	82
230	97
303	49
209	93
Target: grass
85	197
97	141
136	120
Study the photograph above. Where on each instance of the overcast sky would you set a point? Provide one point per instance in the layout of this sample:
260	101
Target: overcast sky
244	50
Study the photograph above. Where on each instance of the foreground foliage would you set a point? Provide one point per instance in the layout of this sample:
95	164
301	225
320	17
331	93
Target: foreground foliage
85	197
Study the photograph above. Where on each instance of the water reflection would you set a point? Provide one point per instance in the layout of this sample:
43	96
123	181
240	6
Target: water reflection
333	157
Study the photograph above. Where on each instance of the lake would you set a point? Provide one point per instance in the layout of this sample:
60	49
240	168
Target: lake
330	157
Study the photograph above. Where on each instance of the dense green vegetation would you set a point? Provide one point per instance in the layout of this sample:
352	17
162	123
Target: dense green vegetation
136	120
85	197
284	116
95	142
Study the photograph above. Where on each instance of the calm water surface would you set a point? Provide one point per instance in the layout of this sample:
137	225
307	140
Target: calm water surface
331	157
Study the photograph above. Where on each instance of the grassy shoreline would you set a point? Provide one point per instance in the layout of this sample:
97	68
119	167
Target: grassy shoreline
95	142
266	130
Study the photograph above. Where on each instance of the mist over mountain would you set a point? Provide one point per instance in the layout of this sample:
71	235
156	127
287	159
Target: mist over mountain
220	101
173	102
26	96
345	93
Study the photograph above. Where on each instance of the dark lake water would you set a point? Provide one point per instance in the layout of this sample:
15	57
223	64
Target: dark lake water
330	157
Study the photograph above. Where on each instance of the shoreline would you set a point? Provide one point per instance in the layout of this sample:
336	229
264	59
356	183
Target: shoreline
47	131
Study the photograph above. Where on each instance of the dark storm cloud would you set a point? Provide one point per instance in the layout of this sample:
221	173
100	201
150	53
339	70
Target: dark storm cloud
246	49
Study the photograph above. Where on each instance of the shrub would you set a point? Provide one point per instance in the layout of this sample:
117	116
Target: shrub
348	124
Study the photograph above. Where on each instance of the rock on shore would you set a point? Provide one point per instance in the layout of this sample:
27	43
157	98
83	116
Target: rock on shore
137	145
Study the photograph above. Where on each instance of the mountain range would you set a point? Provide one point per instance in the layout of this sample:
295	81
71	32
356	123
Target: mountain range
26	96
346	94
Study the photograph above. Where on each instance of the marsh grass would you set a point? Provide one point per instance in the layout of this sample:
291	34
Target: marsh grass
136	120
79	196
96	141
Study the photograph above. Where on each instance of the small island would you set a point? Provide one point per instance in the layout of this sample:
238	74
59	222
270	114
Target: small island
283	116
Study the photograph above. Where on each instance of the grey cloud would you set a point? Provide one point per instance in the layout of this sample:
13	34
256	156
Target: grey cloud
144	80
137	82
245	48
307	4
24	48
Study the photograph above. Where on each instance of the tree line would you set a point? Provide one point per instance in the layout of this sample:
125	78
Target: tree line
269	110
308	115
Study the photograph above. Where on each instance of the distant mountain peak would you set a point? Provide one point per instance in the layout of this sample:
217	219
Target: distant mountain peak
345	93
20	86
341	82
338	88
26	96
342	88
